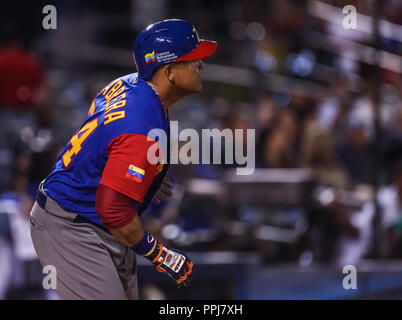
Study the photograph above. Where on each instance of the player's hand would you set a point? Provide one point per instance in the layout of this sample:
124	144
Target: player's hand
165	190
175	264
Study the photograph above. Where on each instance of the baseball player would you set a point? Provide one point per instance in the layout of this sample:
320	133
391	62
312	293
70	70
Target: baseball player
86	218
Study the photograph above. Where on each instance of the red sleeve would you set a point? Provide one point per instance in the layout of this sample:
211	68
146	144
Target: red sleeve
115	209
127	169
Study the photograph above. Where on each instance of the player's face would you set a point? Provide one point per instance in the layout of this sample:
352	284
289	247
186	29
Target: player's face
187	76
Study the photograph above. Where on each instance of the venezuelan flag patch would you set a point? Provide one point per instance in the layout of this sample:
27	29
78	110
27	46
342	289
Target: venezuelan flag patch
149	57
135	173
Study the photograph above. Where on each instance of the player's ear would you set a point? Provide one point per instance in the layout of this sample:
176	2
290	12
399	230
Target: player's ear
168	71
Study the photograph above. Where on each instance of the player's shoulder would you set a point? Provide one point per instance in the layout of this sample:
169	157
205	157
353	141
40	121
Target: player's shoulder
137	90
130	87
134	105
130	80
142	102
127	81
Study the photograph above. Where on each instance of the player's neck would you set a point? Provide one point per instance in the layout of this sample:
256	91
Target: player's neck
166	95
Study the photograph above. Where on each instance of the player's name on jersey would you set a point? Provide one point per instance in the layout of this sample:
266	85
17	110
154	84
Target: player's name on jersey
115	96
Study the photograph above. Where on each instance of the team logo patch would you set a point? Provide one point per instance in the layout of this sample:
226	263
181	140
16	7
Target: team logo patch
135	173
149	57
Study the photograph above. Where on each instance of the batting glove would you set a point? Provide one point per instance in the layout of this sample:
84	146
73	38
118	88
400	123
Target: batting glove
172	262
175	264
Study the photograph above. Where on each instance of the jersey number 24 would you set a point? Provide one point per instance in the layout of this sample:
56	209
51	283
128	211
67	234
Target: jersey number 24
77	140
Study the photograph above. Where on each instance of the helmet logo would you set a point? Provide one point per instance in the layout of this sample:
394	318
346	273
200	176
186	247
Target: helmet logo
149	57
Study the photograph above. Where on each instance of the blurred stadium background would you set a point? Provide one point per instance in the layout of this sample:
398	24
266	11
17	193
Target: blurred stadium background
326	106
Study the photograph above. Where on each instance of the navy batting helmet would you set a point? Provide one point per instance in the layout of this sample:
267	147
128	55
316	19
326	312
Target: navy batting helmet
168	41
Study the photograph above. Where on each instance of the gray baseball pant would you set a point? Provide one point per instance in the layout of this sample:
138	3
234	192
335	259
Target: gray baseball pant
89	262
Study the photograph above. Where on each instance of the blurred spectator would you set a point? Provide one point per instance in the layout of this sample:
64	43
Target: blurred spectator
22	79
6	256
303	105
355	150
331	113
362	112
24	103
233	120
355	142
329	221
277	145
391	201
319	154
350	250
392	144
24	277
266	111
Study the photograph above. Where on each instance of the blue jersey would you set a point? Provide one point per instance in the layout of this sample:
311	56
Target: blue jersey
128	105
